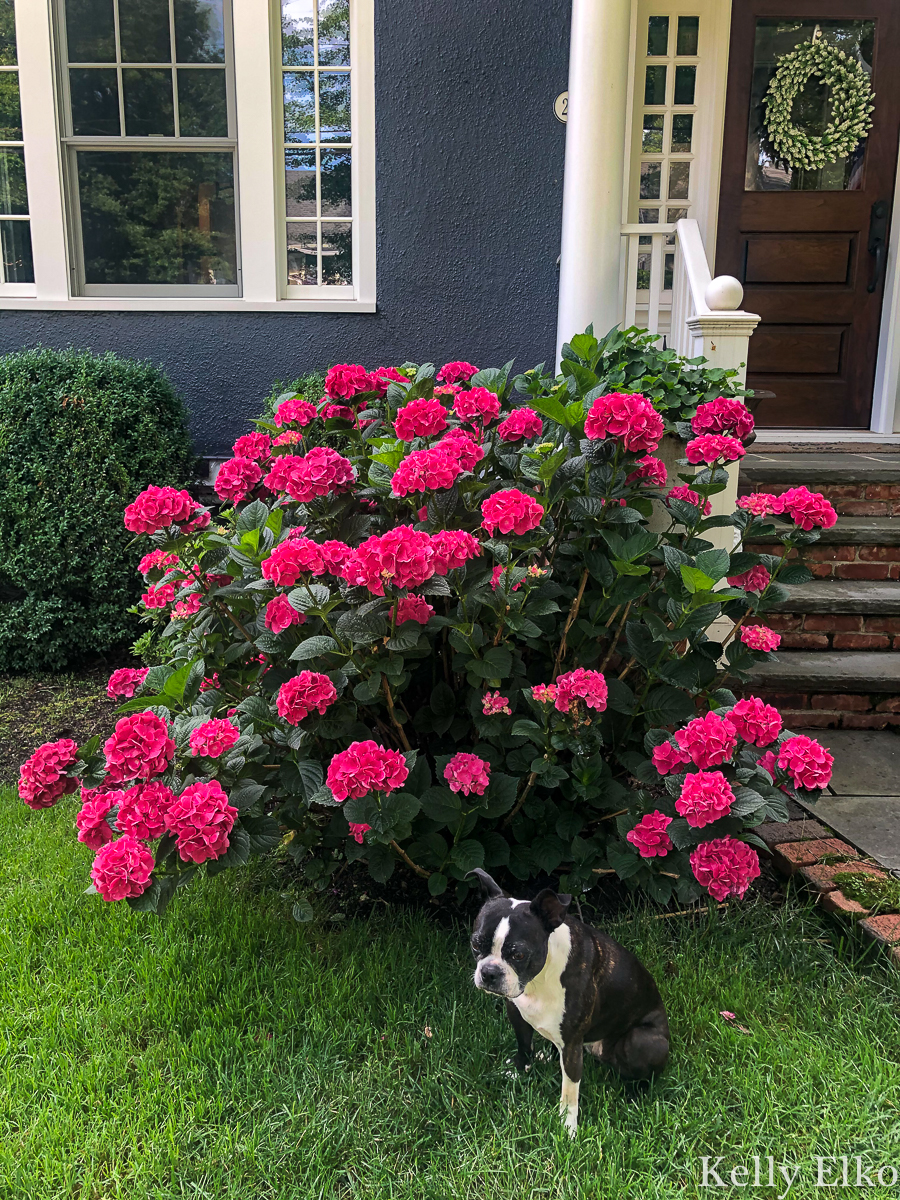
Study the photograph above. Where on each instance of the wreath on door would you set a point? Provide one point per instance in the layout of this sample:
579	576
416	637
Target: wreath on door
851	105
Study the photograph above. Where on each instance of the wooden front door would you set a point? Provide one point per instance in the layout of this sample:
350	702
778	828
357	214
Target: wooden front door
809	246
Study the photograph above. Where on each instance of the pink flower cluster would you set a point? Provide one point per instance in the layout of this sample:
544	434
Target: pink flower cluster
806	761
295	411
453	372
305	693
157	508
669	758
650	837
201	819
43	778
414	608
213	738
158	597
357	830
236	478
755	721
705	797
725	867
461	446
521	423
138	748
121	869
580	684
806	509
760	637
511	511
346	380
93	828
143	808
653	470
683	492
493	703
125	682
497	576
425	470
756	579
403	556
291	558
544	693
631	419
188	607
708	740
420	418
321	472
156	560
257	446
365	767
477	404
723	415
711	447
761	504
453	548
281	614
382	377
467	773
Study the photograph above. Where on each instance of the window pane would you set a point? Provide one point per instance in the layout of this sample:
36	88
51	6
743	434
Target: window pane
657	36
648	216
10	114
95	102
675	214
336	201
302	253
199	31
90	31
297	33
202	103
682	133
149	111
337	253
650	176
7	33
157	217
300	183
144	31
15	243
334	107
299	106
652	142
679	180
668	271
685	78
334	32
13	196
688	34
655	85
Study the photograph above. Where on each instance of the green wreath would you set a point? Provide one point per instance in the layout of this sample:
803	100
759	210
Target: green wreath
851	105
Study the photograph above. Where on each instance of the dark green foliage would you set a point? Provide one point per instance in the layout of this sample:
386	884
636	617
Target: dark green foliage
311	385
80	436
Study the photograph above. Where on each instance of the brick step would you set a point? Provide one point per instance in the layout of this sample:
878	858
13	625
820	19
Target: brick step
855	531
867	596
836	631
817	471
865	672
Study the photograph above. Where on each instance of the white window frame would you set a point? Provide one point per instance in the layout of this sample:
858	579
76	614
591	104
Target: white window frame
259	177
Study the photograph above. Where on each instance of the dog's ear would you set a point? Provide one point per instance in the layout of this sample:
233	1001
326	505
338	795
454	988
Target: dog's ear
550	908
489	886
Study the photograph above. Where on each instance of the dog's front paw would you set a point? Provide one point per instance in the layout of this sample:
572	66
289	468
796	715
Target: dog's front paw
521	1063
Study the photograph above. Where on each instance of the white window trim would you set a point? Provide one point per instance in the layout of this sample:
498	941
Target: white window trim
260	174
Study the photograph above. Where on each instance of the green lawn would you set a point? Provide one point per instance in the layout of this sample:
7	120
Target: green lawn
227	1052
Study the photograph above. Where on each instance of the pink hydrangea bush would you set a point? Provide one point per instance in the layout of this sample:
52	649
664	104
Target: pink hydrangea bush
436	623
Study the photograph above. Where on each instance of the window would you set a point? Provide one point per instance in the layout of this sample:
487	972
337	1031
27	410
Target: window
16	264
188	154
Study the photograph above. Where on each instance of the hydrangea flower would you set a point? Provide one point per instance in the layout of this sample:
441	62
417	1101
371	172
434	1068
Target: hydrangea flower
158	597
138	748
709	740
467	773
305	693
477	404
93	828
365	767
761	504
496	577
723	415
453	548
653	470
453	372
760	637
461	446
420	418
346	380
201	819
755	579
156	560
292	558
213	738
725	867
755	721
493	703
425	471
188	607
357	830
143	808
669	758
338	412
281	615
808	510
414	608
581	684
334	555
403	556
711	447
650	837
321	472
295	411
382	377
705	797
631	419
544	693
122	869
157	508
806	761
257	446
124	682
521	423
236	478
683	492
511	511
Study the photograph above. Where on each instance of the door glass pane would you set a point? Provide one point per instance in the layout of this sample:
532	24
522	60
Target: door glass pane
652	142
299	106
655	85
149	111
199	31
679	180
334	33
657	36
302	253
297	33
13	196
157	218
334	107
650	175
94	95
675	214
682	133
15	244
648	216
336	183
144	31
766	171
300	183
688	34
337	252
10	113
7	34
90	31
685	81
202	103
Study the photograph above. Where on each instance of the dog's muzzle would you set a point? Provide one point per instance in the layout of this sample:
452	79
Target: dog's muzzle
497	977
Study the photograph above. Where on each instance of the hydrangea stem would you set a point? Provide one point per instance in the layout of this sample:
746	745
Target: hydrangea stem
570	621
404	740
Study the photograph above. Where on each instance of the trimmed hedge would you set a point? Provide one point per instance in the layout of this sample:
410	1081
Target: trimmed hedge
80	435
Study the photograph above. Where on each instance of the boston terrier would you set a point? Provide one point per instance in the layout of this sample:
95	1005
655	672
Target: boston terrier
577	987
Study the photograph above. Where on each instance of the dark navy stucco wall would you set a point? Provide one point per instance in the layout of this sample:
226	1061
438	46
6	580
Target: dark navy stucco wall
469	195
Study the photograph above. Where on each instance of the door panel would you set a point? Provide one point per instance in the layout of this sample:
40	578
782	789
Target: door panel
797	239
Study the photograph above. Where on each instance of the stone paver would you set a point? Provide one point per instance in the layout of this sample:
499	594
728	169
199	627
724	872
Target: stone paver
774	834
791	856
829	671
866	763
820	468
873	597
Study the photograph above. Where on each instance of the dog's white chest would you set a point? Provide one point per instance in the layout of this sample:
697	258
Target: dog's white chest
542	1003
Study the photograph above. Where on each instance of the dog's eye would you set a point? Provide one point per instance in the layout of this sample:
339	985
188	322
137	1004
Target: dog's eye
518	956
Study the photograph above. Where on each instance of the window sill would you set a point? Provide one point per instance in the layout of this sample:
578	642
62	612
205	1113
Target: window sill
182	304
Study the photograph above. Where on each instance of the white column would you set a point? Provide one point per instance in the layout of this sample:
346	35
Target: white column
595	167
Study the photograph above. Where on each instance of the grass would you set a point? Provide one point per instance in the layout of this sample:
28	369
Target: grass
228	1052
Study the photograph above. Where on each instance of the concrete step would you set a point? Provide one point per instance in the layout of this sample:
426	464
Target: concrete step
858	671
855	531
870	597
816	470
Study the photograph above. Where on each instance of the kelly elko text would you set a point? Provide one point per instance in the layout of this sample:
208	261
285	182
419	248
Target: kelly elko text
844	1171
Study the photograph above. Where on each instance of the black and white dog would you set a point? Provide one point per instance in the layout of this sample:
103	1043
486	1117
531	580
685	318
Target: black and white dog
577	987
